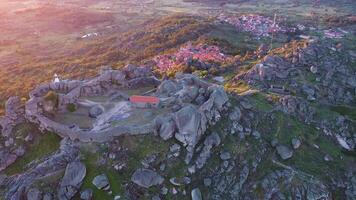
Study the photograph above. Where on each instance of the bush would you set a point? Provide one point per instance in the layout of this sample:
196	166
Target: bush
213	71
51	96
71	107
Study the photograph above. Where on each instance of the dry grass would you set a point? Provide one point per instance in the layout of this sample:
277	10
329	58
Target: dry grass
83	58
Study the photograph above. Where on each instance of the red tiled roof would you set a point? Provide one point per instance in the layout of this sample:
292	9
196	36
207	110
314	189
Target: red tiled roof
143	99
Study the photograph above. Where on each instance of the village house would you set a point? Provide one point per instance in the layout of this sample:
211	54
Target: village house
144	101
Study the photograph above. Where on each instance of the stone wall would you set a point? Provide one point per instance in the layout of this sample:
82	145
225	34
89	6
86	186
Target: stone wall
195	105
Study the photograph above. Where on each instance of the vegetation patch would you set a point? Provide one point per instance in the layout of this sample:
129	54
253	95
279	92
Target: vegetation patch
238	87
42	146
52	97
260	102
139	147
71	107
345	110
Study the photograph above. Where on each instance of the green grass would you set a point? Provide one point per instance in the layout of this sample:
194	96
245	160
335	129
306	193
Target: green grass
139	147
324	112
238	87
71	107
232	145
116	180
52	97
43	146
311	160
306	158
265	167
285	128
345	110
259	101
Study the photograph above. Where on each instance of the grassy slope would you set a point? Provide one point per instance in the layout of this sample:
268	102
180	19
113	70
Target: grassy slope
139	147
85	57
42	145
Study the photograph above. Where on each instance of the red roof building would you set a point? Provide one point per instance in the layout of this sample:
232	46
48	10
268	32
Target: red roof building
144	99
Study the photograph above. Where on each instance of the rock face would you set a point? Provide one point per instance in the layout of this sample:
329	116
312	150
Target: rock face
167	126
72	180
210	142
6	158
284	151
199	105
297	107
146	178
16	185
271	68
14	114
350	191
191	125
309	189
332	73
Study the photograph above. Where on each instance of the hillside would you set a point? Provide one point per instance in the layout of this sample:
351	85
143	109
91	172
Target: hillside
187	100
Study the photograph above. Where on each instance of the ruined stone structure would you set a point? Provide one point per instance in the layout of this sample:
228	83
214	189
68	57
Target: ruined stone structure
69	92
194	105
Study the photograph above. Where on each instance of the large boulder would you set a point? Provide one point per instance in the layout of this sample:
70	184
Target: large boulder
165	126
86	194
146	178
188	93
95	111
215	104
219	96
101	182
133	71
235	115
296	143
72	180
13	107
284	151
196	194
191	125
167	88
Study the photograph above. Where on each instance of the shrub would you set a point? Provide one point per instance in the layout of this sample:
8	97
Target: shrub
52	97
213	71
71	107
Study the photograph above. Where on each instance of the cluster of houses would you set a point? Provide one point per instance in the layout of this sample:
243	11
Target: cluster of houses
202	52
255	24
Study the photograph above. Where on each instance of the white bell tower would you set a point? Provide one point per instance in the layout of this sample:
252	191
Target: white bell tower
56	78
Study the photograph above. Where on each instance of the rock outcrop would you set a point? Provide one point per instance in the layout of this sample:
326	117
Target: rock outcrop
101	182
331	75
198	104
14	114
72	180
17	185
146	178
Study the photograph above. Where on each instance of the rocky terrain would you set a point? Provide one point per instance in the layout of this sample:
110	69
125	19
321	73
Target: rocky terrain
252	105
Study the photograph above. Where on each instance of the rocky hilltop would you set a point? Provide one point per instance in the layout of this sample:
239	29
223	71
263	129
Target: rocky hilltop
233	110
